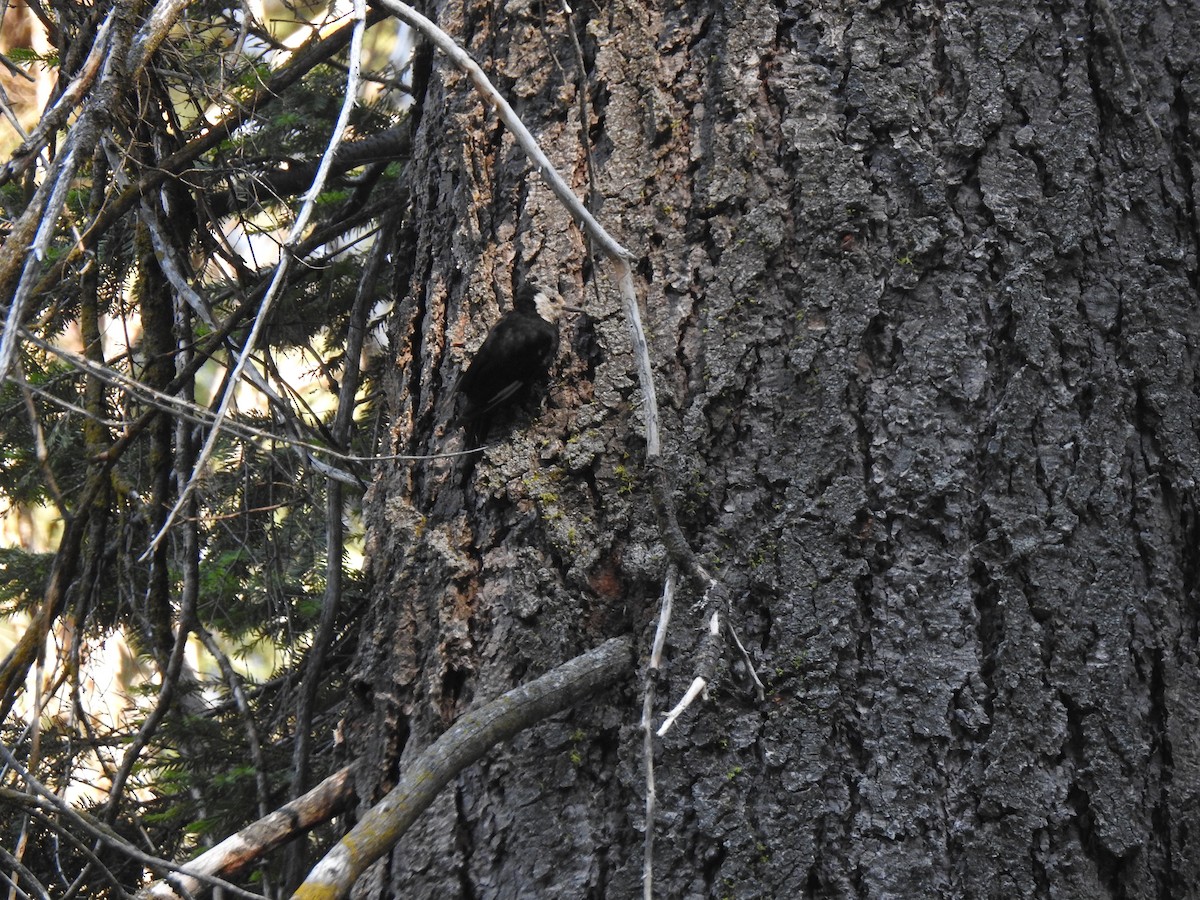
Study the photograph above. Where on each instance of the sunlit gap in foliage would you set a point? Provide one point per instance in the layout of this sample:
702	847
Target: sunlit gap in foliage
258	557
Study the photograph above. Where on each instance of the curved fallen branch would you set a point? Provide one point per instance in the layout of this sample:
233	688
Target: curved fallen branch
463	743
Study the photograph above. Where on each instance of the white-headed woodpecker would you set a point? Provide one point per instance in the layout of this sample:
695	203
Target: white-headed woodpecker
516	353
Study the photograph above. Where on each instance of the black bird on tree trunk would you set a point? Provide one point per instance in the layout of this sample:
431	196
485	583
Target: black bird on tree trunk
516	354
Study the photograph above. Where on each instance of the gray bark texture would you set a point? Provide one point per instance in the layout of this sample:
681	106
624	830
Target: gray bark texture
921	287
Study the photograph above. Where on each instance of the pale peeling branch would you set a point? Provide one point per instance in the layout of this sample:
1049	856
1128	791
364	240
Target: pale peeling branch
706	666
333	796
152	33
466	741
648	697
47	202
33	143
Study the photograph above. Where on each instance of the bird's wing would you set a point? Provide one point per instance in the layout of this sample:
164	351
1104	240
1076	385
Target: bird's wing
499	397
512	355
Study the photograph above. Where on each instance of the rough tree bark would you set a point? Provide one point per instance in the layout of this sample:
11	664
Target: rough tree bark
921	283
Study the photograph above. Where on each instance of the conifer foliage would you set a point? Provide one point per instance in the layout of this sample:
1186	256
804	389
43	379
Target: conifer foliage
173	621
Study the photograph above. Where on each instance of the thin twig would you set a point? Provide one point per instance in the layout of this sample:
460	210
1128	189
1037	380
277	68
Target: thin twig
40	450
236	689
335	538
699	683
759	688
173	405
52	195
170	682
648	695
10	116
46	800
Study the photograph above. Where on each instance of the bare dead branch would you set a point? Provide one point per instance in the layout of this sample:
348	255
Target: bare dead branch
152	33
333	796
706	666
237	691
26	246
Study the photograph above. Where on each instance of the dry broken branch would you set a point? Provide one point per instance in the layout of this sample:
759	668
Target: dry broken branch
333	796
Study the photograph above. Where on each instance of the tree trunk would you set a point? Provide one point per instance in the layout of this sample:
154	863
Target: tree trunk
921	284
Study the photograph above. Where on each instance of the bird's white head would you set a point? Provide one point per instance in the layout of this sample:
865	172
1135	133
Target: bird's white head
549	304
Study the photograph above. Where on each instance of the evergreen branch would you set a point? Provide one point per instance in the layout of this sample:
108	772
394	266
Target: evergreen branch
394	143
44	799
237	691
175	164
281	270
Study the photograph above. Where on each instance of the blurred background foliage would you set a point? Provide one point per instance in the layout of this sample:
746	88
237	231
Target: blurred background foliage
166	685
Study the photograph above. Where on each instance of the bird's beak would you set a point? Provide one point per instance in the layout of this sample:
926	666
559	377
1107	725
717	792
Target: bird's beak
573	309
